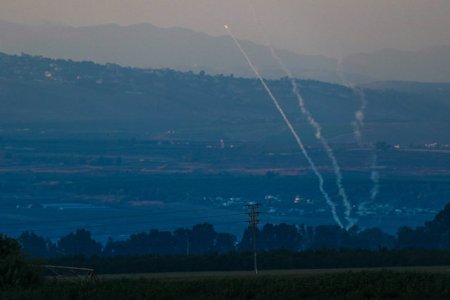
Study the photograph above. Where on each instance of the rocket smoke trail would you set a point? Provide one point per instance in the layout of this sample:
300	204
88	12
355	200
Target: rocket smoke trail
312	122
358	127
358	122
291	128
375	177
320	137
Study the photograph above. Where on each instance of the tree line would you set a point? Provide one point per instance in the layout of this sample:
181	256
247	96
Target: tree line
203	238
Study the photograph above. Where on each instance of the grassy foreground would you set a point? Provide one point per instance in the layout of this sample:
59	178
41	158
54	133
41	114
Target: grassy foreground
378	284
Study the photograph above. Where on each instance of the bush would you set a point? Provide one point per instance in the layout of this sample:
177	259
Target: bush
14	270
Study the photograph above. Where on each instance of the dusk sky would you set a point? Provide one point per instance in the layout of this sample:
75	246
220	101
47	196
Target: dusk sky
328	27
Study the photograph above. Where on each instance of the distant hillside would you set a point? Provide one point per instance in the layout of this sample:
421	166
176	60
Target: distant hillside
424	88
148	46
41	97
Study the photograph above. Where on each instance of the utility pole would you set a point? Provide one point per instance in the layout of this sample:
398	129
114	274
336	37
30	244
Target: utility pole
253	221
188	244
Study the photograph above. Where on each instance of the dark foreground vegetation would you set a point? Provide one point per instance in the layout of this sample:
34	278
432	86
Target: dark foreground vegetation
21	279
273	260
342	285
14	270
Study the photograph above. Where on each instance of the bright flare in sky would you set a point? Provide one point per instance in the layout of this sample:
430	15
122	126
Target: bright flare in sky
226	26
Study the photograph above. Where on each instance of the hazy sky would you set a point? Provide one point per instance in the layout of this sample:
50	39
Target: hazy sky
331	27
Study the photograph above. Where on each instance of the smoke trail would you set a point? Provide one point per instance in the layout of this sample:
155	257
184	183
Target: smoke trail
291	128
319	136
358	127
312	122
375	177
358	122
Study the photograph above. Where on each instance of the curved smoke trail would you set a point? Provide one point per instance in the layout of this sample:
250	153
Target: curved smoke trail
375	177
358	127
319	136
312	122
291	128
358	121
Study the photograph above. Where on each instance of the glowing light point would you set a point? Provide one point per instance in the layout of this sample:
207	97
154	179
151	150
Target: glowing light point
226	26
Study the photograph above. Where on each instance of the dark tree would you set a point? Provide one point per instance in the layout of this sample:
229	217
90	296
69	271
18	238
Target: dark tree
202	238
413	238
441	222
79	243
328	236
36	246
281	236
375	238
182	241
246	243
225	243
161	242
14	271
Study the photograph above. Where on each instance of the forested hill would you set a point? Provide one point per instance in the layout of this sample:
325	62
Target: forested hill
42	97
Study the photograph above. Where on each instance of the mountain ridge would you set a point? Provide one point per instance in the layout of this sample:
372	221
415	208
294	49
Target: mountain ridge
146	45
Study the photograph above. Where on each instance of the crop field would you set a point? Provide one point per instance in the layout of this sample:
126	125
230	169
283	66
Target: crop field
392	283
299	272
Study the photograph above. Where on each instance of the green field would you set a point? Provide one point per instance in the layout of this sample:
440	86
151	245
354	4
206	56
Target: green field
392	283
301	272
